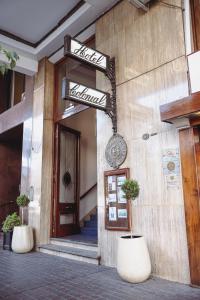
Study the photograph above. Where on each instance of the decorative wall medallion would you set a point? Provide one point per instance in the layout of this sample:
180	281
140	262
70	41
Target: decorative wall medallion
116	151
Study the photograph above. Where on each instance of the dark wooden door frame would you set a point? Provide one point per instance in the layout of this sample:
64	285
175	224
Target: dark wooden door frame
195	18
56	177
189	107
190	162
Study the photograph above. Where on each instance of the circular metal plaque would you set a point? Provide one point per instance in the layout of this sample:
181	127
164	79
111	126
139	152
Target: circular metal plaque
116	151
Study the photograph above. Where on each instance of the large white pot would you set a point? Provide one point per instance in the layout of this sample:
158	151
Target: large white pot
22	240
133	261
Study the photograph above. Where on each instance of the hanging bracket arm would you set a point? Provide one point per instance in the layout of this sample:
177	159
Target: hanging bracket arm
112	112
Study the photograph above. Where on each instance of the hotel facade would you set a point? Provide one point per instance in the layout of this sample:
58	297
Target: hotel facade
54	148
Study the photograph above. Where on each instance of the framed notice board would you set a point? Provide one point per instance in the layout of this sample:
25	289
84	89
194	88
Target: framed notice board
117	208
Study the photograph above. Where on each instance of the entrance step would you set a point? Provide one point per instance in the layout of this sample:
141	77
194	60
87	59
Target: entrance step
73	244
75	252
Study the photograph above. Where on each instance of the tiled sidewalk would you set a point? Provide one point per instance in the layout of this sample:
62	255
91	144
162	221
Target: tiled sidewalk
41	276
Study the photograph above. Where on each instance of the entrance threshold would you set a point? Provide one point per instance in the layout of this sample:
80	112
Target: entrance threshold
79	238
76	247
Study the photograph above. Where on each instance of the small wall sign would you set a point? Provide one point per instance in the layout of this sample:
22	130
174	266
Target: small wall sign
74	48
171	167
117	212
85	95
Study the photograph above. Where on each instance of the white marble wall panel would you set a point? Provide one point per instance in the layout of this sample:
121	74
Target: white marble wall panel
42	153
157	74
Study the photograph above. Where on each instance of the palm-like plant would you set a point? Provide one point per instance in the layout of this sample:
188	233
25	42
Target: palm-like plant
12	58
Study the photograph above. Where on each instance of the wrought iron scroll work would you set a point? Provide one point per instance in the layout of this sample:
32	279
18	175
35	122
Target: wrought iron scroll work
112	112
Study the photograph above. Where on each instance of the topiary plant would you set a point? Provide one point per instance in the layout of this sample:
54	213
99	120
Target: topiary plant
11	221
22	201
12	58
131	191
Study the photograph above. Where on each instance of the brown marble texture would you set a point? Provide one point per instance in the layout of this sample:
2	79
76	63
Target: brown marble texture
151	69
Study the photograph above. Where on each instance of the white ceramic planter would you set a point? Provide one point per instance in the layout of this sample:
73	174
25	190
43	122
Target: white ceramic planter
133	261
22	240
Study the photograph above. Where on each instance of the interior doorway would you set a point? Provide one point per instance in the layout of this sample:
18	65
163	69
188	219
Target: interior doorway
75	173
10	170
74	209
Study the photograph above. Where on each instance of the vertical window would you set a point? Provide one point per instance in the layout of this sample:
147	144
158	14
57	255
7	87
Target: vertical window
12	87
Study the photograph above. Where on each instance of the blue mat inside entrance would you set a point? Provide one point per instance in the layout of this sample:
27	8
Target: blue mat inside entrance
82	238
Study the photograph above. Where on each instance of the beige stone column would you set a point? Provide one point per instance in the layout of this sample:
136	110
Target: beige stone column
42	152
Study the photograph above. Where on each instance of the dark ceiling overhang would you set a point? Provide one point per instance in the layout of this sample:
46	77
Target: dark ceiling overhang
188	107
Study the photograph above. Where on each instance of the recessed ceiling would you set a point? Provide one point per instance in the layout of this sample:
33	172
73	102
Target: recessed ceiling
31	20
36	28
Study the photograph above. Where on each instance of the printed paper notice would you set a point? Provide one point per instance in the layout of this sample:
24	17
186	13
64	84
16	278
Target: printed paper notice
111	183
112	214
120	180
112	198
171	164
122	213
171	167
172	181
121	196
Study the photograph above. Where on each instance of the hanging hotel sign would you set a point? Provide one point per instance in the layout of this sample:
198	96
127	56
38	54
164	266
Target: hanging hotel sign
85	95
77	50
116	149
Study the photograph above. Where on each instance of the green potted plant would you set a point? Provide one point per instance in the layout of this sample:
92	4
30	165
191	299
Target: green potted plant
12	58
133	260
22	240
22	202
8	225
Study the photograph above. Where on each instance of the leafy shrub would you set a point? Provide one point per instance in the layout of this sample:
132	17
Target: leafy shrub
130	188
11	221
12	58
22	201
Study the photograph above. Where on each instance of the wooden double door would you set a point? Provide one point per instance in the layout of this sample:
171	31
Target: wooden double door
66	181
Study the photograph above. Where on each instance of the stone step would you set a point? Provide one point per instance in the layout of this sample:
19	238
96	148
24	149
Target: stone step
73	244
71	253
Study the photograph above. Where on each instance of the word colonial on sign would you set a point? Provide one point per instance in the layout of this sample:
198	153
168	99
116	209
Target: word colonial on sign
77	50
85	95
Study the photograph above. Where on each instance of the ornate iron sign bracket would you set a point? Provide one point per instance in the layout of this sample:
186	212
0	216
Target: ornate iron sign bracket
112	113
116	149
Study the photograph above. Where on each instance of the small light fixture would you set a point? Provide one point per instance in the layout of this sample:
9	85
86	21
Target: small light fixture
146	136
